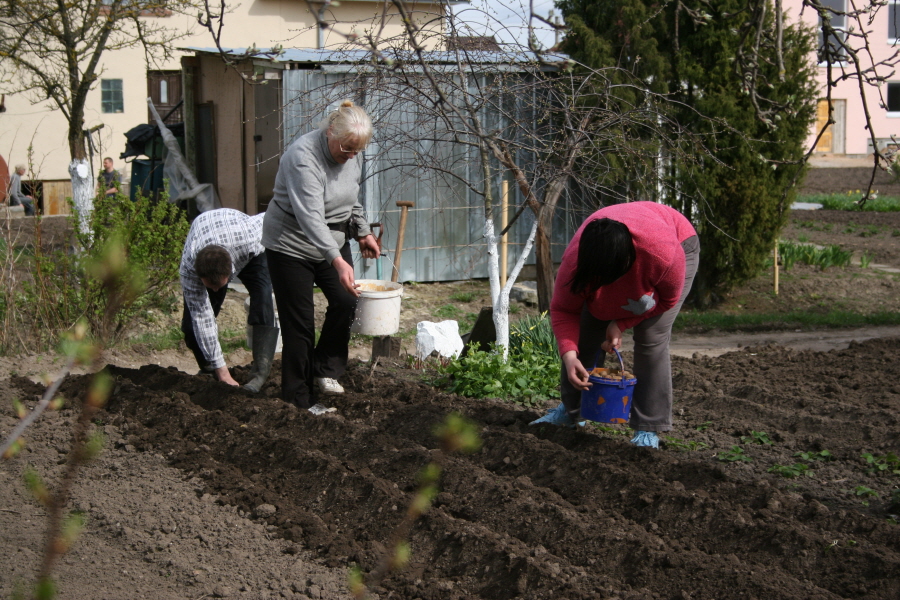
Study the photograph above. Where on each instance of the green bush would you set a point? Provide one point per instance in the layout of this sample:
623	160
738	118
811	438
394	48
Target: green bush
126	262
151	236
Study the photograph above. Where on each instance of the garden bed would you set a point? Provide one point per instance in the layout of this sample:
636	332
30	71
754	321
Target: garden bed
777	481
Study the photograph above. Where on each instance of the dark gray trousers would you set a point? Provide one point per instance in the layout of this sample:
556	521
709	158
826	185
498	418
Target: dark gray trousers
651	407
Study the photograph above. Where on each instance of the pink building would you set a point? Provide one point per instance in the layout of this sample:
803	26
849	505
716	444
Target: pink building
849	135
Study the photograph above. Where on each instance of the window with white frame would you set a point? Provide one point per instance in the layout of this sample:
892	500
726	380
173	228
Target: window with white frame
831	49
111	98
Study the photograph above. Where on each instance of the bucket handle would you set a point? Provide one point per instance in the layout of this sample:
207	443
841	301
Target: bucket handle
621	364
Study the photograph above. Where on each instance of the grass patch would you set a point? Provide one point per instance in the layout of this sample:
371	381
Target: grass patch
232	339
449	311
164	340
463	296
833	319
849	202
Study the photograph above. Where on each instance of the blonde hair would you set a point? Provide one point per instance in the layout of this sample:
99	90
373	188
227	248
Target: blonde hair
349	121
19	167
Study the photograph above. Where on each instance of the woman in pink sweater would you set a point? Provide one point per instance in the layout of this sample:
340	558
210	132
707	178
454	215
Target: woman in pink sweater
628	266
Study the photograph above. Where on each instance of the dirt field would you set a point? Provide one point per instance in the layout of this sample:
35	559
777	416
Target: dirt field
205	491
210	492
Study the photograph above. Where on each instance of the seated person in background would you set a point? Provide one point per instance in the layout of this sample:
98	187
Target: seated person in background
16	197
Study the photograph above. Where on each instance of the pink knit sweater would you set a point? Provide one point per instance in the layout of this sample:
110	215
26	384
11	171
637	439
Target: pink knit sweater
652	286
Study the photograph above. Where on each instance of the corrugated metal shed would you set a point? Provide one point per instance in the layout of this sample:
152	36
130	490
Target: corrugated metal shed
444	233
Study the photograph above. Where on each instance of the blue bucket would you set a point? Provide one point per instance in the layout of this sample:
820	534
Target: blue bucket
608	400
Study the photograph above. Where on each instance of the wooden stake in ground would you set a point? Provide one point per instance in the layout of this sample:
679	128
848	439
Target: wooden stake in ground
404	205
775	256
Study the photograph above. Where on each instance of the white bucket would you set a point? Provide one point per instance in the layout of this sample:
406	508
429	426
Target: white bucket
378	310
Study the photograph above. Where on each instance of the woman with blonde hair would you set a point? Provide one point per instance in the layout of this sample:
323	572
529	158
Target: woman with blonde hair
314	213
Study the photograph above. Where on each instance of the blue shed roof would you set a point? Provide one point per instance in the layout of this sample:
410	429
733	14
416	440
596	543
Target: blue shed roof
322	56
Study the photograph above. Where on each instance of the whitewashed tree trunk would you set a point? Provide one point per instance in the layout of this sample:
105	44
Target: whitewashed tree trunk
82	191
501	318
500	297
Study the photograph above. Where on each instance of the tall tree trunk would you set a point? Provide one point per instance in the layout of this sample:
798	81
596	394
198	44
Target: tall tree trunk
544	265
546	273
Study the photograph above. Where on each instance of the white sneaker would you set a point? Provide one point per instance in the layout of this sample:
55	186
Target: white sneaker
327	385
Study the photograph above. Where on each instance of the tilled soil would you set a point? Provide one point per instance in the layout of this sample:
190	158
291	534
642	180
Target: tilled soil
539	511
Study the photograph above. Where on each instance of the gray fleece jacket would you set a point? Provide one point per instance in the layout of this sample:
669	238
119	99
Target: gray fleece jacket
313	190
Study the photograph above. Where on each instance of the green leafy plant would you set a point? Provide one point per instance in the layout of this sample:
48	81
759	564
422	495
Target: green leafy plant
150	235
534	331
791	253
824	455
529	377
685	445
865	260
889	463
870	231
863	491
610	429
791	471
757	437
703	426
736	454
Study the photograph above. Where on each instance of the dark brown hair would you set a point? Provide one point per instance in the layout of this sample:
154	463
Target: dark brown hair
605	253
213	262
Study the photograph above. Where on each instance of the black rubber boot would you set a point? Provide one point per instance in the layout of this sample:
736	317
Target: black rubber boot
265	339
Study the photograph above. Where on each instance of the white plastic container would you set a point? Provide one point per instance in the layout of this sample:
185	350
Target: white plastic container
378	310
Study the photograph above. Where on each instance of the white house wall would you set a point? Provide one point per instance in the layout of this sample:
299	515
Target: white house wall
856	138
263	22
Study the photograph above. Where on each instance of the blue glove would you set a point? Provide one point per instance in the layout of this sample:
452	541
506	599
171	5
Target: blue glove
558	416
646	439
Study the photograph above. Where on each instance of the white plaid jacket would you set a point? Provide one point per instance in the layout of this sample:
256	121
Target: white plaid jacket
238	233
